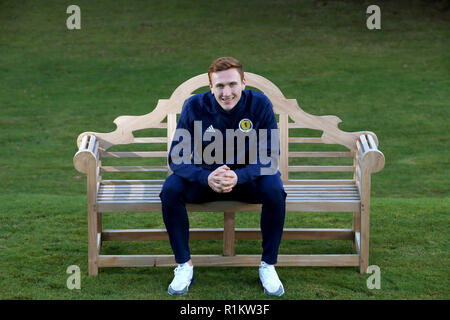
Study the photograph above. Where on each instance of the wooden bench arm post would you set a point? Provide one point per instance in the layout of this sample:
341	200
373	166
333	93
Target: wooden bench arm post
369	160
87	153
86	161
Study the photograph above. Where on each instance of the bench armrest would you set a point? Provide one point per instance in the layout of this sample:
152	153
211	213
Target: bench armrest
87	153
370	159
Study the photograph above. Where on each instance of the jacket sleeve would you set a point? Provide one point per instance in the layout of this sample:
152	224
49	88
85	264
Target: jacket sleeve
268	151
181	153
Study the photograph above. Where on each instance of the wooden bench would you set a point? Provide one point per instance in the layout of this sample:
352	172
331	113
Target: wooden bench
350	194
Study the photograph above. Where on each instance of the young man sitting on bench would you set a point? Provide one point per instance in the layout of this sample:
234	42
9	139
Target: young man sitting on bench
218	170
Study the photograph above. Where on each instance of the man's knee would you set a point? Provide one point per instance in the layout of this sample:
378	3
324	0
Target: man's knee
271	189
172	189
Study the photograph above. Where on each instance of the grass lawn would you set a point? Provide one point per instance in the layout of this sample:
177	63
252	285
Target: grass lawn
56	83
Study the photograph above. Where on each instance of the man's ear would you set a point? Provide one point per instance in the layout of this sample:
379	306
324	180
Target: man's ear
211	88
243	84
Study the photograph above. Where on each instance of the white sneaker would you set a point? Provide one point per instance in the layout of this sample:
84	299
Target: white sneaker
184	276
269	280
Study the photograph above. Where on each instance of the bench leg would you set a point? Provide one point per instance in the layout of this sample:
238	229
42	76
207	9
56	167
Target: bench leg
92	241
100	228
228	234
364	250
356	226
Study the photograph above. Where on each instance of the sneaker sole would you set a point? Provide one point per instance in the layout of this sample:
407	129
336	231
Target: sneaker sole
277	293
182	291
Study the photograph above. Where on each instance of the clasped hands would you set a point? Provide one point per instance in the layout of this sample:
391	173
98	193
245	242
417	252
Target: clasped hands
222	180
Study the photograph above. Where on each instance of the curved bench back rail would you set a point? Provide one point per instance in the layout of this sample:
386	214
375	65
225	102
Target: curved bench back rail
289	115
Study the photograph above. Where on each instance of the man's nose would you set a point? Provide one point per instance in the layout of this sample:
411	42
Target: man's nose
226	91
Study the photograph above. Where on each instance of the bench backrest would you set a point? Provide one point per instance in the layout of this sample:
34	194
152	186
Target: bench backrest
291	119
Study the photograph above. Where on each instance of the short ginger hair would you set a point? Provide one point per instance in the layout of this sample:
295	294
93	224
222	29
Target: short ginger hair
225	63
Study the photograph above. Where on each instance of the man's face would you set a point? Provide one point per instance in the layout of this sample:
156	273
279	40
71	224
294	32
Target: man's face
227	87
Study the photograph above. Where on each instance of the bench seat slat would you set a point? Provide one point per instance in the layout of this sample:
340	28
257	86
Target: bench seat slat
293	193
300	182
314	198
296	206
290	193
290	184
290	188
292	198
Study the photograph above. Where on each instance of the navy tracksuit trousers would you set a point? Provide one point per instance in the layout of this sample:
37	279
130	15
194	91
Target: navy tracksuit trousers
267	189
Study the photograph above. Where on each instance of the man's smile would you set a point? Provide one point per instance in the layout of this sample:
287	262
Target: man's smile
227	99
